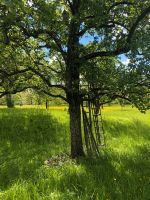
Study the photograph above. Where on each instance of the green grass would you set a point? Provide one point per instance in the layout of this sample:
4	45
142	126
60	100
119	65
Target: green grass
29	136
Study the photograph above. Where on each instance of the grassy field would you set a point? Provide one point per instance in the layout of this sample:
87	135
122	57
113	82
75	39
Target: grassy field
29	136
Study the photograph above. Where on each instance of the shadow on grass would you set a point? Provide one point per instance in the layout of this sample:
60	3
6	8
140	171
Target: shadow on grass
32	137
114	175
110	177
121	177
134	129
27	138
29	126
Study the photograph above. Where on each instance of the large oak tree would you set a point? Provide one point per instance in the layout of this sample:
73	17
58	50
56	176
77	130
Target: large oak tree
50	35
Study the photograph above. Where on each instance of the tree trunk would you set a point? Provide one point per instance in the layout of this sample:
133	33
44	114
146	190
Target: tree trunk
9	101
75	128
73	65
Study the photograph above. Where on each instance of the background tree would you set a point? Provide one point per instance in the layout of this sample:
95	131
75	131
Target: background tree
50	34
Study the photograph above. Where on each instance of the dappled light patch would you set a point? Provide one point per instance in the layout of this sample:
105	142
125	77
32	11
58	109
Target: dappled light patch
27	138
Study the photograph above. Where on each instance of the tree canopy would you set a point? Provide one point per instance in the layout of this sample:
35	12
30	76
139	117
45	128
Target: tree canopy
47	38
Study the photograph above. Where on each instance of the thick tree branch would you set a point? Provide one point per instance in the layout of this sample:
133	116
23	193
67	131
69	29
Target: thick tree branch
76	5
110	24
136	23
41	75
106	53
14	91
37	33
53	95
45	80
3	72
126	47
119	3
110	8
51	68
49	93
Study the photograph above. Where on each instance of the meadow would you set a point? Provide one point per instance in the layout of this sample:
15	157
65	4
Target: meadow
29	136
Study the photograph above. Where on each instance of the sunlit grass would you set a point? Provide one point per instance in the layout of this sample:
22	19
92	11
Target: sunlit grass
106	108
43	107
29	136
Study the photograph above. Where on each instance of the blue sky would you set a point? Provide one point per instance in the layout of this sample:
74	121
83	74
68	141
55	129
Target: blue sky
86	39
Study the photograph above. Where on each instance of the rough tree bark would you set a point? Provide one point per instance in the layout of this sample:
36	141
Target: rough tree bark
73	97
75	127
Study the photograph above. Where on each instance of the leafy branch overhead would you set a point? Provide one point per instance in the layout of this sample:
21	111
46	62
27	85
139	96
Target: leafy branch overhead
48	40
58	47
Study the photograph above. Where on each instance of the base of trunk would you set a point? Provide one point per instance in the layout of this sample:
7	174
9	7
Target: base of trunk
75	128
